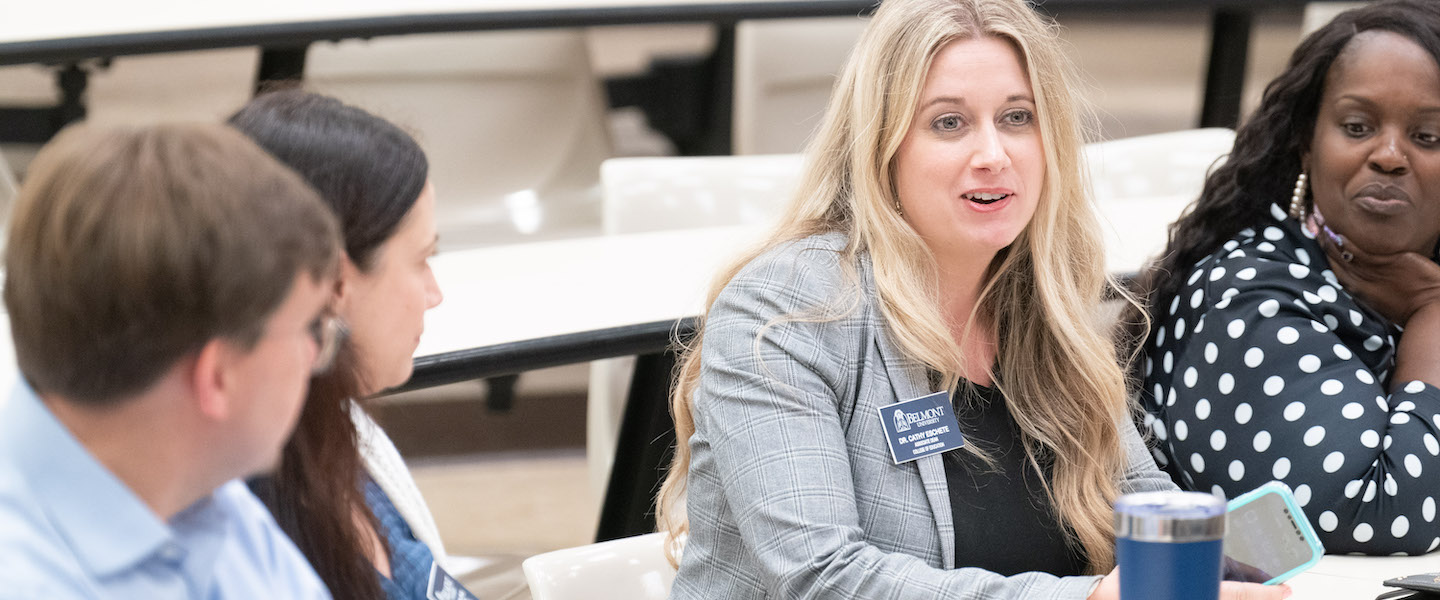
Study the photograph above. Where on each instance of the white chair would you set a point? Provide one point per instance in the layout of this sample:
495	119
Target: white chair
1142	184
514	124
633	568
1317	14
651	194
654	194
784	72
204	85
1163	164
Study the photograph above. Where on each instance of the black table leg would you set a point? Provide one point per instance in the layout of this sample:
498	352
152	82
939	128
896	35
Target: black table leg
280	64
689	99
642	451
38	125
1225	77
500	393
72	81
718	134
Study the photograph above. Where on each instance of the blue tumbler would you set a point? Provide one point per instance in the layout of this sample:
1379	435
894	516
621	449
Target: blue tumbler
1169	545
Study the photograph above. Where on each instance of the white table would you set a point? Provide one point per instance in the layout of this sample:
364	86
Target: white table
1358	577
510	309
508	294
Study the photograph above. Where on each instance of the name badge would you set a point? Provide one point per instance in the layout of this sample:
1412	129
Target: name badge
921	427
444	587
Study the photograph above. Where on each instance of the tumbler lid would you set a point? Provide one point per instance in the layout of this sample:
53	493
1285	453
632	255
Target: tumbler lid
1170	517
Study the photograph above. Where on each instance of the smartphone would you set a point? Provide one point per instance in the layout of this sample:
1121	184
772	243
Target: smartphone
1267	537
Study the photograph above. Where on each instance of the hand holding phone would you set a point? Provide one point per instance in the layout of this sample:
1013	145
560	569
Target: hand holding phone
1268	539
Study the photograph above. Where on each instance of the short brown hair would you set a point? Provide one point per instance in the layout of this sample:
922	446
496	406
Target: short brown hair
131	248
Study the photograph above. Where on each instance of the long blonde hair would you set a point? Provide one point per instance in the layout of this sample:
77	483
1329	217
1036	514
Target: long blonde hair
1041	293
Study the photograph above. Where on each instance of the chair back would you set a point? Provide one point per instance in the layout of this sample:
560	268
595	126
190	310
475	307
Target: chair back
1143	184
654	194
784	72
513	122
1317	14
202	85
1163	164
632	568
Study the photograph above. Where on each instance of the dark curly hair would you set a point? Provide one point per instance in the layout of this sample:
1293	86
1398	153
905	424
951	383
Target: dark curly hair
1263	164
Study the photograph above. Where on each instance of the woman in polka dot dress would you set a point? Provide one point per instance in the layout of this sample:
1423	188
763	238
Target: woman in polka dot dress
1276	347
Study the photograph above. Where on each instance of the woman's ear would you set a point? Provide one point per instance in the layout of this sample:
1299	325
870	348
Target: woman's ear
345	284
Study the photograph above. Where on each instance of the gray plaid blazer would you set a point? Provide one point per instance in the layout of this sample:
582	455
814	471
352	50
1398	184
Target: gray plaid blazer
792	492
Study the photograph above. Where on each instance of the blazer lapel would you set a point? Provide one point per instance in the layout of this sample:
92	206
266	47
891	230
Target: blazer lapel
909	379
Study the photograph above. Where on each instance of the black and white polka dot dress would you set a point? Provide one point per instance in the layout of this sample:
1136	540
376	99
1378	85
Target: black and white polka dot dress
1263	368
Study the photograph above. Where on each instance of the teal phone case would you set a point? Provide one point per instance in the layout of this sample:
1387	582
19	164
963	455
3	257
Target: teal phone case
1298	518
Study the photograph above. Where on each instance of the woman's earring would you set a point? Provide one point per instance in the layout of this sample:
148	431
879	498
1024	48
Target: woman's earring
898	210
1297	198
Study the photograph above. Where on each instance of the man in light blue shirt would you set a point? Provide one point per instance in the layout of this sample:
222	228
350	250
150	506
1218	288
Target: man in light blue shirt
167	289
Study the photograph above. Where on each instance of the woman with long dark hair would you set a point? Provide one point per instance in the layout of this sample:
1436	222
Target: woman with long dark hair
341	490
1296	311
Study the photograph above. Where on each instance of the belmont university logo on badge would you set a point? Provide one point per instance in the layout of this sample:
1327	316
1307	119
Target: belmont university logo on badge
921	427
925	418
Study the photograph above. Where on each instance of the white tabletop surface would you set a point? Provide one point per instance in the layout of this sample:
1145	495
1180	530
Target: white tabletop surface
528	291
1358	577
63	19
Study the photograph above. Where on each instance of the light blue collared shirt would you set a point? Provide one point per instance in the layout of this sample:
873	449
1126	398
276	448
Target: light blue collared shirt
70	529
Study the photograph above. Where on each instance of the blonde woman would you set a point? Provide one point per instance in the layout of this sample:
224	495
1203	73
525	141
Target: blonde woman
942	241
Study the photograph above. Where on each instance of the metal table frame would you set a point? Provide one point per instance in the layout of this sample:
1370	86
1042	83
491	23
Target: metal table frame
284	45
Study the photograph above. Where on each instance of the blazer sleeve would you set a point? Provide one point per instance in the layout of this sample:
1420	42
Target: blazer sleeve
1141	475
768	409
